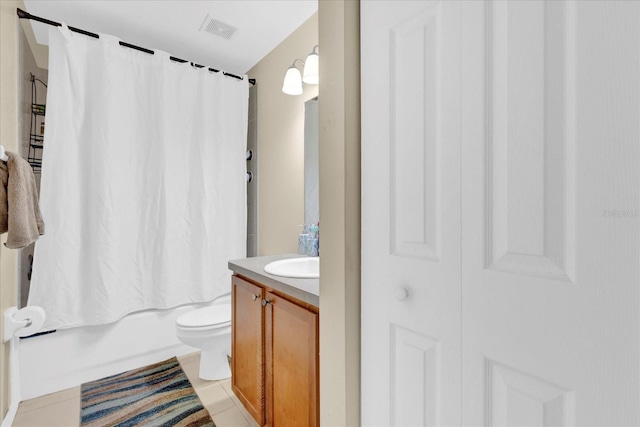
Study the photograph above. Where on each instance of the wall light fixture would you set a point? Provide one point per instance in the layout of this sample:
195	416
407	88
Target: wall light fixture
311	75
293	80
292	84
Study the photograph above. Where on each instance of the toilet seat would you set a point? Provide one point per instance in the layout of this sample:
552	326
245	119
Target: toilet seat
212	317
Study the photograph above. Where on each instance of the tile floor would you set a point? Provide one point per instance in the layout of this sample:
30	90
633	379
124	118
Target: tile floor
63	408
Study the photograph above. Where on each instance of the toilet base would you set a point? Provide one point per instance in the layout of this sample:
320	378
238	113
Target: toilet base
213	339
214	365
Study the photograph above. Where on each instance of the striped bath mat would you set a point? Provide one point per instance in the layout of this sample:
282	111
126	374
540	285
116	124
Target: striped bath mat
156	395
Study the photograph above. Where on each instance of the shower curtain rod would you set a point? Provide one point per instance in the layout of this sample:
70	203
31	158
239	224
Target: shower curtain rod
26	15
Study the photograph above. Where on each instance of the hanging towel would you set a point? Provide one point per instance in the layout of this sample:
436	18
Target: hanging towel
19	210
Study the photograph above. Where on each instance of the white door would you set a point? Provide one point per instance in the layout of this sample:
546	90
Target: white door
550	198
410	213
518	235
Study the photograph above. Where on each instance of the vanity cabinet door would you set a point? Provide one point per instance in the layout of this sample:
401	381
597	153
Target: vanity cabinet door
247	357
292	363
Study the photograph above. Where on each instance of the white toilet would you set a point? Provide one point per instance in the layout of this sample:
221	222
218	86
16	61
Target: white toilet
209	329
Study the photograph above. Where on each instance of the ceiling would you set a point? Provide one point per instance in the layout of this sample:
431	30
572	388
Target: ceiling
174	26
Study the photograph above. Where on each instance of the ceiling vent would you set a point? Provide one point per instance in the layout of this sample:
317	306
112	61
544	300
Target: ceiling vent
217	28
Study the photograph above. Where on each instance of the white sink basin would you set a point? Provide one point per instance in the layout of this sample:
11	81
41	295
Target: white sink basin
301	268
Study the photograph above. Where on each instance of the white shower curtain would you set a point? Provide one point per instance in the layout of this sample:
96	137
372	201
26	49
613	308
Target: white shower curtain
143	182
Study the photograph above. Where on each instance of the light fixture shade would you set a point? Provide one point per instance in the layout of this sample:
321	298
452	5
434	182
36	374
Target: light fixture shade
292	82
311	72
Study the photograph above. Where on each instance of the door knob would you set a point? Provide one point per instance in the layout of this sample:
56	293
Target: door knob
401	293
254	297
265	302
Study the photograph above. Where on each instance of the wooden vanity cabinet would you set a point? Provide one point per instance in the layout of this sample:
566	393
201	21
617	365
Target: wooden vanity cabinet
247	347
291	363
288	358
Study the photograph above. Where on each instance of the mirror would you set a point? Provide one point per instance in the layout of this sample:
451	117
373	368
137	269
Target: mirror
311	163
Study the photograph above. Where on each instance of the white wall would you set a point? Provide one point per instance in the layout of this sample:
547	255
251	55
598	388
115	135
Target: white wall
339	27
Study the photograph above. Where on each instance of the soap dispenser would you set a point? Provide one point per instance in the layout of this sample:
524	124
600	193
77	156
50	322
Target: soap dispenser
303	241
313	242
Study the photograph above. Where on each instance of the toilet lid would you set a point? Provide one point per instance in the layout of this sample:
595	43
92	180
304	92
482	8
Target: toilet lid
219	314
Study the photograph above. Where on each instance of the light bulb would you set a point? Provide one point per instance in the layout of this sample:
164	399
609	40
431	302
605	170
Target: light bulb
292	82
311	73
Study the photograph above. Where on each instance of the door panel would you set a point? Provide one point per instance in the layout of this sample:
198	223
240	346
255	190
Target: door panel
292	363
414	391
517	399
411	232
500	200
247	361
530	145
415	137
550	295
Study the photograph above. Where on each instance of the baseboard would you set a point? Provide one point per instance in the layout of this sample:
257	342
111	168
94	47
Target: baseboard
14	374
11	414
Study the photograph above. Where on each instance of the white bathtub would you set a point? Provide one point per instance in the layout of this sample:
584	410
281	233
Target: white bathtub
70	357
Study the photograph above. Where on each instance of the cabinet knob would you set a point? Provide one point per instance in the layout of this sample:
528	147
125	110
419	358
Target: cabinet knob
254	297
265	302
401	293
